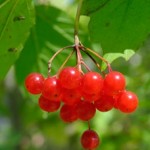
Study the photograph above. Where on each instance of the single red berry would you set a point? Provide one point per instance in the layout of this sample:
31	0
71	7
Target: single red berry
105	103
47	105
68	113
70	78
92	83
71	97
114	82
127	102
34	83
52	89
90	140
85	110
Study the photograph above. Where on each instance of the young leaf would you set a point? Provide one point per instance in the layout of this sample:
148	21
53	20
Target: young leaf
16	19
110	57
128	53
120	24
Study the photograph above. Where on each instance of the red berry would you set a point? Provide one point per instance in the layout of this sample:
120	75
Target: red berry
47	105
90	140
127	102
114	82
68	113
34	83
92	83
85	110
116	97
105	103
70	78
71	97
51	89
91	97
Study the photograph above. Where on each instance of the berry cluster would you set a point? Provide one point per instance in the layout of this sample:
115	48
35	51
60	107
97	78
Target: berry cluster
81	94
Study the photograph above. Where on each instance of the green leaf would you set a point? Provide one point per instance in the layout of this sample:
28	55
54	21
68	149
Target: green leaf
16	19
128	53
2	2
51	32
90	7
110	57
121	24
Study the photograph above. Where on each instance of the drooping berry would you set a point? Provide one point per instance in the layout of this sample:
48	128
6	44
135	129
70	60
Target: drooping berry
92	83
34	83
52	89
114	82
85	110
47	105
70	78
71	97
127	102
68	113
90	140
105	103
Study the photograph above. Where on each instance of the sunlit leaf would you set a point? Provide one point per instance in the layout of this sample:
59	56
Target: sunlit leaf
110	57
16	19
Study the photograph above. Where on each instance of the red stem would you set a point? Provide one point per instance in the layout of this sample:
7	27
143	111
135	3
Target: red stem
52	58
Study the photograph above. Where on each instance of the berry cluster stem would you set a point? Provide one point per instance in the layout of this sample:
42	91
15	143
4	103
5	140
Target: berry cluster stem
53	57
66	60
79	56
86	66
78	47
97	64
76	27
100	57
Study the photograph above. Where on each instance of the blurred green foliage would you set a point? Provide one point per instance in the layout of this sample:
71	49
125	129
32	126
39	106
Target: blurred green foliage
23	126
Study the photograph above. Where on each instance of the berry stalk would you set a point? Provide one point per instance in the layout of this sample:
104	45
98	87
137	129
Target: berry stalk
76	26
89	126
66	60
86	66
96	63
52	58
99	56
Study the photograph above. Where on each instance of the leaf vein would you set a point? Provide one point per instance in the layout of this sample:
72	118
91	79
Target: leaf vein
8	18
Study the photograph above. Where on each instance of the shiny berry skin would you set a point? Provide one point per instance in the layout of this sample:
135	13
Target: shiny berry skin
68	113
92	83
127	102
91	97
105	103
71	97
47	105
85	110
70	78
114	81
34	83
116	98
52	89
90	140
